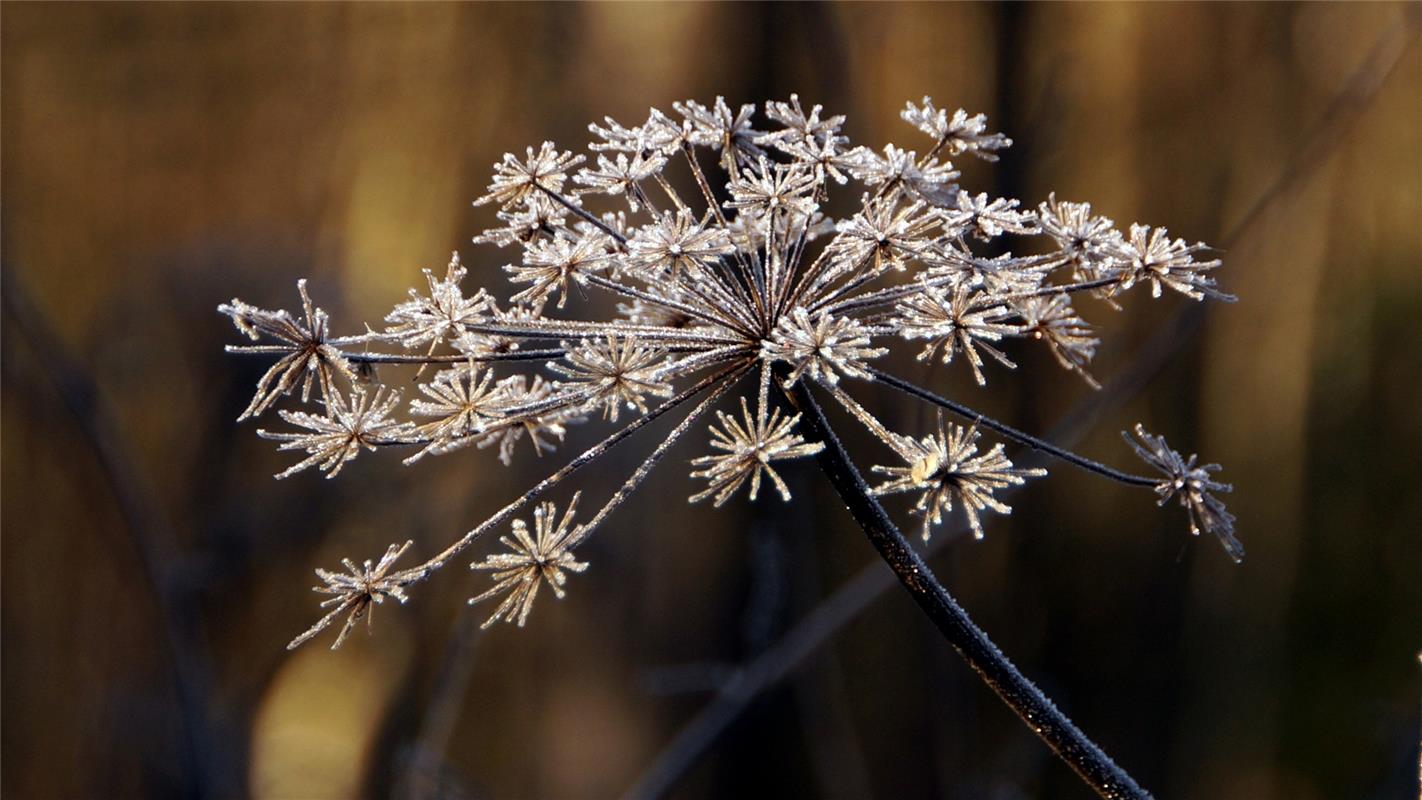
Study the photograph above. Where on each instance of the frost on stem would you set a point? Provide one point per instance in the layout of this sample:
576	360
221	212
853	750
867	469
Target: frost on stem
960	321
556	265
1053	321
516	180
1150	256
615	373
460	402
746	273
822	347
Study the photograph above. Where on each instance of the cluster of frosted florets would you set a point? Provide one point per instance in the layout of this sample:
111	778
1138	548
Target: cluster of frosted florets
731	276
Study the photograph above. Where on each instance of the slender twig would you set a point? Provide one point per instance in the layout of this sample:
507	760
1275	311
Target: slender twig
411	358
1021	437
1021	695
454	358
421	776
662	302
583	214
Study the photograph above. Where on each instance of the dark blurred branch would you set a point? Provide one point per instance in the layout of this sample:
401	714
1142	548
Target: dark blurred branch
854	596
1343	111
148	530
421	778
997	671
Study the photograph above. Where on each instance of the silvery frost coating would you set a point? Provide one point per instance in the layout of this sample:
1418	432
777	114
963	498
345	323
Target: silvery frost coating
711	229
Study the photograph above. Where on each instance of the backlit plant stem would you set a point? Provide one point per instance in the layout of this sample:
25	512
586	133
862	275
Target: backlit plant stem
1049	723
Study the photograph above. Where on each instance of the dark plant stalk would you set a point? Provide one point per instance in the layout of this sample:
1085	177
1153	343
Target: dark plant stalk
1066	740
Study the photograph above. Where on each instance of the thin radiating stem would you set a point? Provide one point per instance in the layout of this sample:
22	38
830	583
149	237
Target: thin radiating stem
1012	433
411	358
565	329
583	213
454	358
422	571
662	302
645	468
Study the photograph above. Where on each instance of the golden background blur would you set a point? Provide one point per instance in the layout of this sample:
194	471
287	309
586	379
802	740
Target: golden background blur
161	159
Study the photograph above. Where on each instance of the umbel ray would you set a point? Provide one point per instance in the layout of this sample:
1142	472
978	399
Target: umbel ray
741	304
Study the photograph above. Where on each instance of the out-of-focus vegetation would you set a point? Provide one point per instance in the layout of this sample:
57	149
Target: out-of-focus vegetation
159	159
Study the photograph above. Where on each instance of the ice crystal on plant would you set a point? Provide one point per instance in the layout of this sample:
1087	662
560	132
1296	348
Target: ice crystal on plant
677	243
622	176
960	321
887	231
460	400
555	265
822	346
767	188
1051	319
720	128
1151	256
989	218
902	170
516	181
960	133
525	396
1085	242
615	373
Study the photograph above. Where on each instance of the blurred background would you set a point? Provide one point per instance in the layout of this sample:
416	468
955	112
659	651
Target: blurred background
161	159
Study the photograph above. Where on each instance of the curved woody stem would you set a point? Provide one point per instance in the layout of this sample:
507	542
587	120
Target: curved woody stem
1088	760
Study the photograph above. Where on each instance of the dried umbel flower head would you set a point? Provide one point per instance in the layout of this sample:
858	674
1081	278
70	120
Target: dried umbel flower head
306	355
353	591
338	435
730	279
945	468
1191	485
749	445
545	556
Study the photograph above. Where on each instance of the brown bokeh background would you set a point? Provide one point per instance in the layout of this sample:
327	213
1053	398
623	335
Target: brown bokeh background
160	159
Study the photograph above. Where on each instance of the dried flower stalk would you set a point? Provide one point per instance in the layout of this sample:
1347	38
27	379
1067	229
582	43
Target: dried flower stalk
761	285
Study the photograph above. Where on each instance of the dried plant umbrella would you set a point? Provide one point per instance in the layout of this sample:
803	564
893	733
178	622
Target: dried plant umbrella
741	286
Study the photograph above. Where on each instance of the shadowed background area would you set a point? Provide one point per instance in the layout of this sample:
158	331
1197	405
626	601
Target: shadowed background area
161	159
